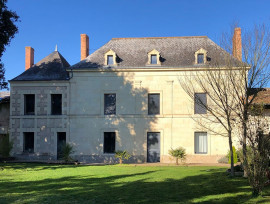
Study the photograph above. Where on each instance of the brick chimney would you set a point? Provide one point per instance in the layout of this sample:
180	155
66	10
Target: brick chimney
29	57
84	46
237	44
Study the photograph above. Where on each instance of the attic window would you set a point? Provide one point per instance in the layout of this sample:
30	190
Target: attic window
154	58
200	59
200	56
110	58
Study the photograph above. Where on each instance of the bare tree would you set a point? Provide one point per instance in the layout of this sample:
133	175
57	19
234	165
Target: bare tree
220	101
231	84
254	75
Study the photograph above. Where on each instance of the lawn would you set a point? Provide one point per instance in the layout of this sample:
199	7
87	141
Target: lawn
41	183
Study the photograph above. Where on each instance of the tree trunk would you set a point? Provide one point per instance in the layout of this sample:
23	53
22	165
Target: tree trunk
231	152
120	161
244	143
177	161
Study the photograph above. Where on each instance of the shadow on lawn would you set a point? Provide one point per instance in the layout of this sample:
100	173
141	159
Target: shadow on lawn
37	166
126	188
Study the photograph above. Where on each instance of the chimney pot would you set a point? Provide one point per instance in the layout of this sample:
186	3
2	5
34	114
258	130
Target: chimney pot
237	44
29	57
84	46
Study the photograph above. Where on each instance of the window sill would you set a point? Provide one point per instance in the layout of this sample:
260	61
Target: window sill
200	153
28	153
153	65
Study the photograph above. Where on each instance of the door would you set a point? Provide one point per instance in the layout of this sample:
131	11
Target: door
61	142
153	147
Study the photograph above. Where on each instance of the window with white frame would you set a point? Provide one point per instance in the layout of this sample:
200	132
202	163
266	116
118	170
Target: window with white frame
200	143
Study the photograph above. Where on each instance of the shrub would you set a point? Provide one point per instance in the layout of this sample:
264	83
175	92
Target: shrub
6	146
235	157
178	153
122	155
223	160
67	150
238	168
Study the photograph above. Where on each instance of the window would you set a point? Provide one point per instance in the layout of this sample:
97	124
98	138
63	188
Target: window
200	56
153	104
109	104
109	142
56	104
61	143
110	59
200	103
28	141
153	59
200	59
29	104
200	143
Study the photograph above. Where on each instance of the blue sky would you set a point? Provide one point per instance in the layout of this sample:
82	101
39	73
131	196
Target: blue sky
45	23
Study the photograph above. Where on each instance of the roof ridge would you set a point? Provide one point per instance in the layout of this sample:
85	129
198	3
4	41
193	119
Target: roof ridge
159	37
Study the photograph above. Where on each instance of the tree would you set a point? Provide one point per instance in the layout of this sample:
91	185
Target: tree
232	84
8	29
254	75
122	155
178	153
220	100
258	148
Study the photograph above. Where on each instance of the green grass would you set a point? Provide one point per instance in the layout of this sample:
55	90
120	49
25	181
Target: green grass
40	183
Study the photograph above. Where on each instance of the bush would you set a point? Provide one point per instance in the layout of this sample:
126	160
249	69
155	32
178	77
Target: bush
223	160
122	155
238	168
178	153
67	150
6	146
235	157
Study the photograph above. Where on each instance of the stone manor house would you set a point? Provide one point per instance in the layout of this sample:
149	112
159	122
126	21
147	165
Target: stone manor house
124	96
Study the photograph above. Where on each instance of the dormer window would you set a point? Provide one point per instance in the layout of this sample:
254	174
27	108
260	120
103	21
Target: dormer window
153	57
200	59
110	58
200	56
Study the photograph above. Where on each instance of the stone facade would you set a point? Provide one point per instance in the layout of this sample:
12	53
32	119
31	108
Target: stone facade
44	125
84	121
132	122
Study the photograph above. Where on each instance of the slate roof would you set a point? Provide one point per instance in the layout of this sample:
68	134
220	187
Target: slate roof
52	67
174	51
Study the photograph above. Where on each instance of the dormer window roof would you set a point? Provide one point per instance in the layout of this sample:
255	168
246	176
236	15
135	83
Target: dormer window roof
200	56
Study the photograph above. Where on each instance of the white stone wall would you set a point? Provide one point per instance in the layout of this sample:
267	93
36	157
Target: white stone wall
84	121
132	122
